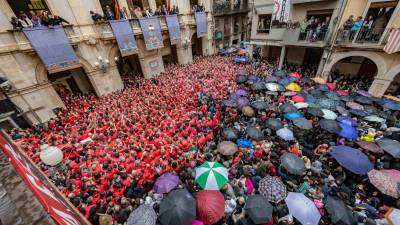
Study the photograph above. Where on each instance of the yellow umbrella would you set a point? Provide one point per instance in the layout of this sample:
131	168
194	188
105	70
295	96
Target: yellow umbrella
319	80
293	87
392	97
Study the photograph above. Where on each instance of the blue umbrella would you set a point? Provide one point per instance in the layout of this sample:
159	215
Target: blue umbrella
244	143
241	92
359	112
323	87
310	99
347	131
352	159
293	115
392	105
287	80
347	120
285	133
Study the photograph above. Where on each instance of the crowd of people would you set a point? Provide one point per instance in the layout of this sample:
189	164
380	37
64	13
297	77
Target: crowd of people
32	20
314	29
117	146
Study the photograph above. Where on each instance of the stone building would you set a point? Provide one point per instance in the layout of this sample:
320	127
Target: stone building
332	48
33	95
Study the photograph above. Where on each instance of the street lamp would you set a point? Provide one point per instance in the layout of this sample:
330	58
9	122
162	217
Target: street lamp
102	64
186	43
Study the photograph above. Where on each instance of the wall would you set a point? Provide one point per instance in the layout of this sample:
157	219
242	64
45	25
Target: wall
295	55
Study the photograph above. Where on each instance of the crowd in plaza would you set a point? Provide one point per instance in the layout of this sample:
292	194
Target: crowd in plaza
216	142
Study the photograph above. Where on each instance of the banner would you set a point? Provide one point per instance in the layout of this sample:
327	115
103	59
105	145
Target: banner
151	32
124	34
53	48
53	202
281	10
174	28
201	23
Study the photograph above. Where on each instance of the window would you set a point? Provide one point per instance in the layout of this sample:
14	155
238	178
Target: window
264	23
37	6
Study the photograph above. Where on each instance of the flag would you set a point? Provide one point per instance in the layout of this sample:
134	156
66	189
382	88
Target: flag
117	10
393	43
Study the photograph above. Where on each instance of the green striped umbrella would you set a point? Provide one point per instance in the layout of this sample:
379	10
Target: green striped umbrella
211	176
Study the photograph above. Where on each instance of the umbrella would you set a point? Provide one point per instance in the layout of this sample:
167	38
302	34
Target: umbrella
197	222
371	109
258	86
342	110
166	183
323	87
286	80
370	146
331	86
298	98
179	207
274	124
259	105
230	133
258	209
339	212
288	108
363	99
229	103
386	181
290	93
241	92
315	111
293	115
332	95
295	74
391	97
271	79
347	131
358	112
374	118
346	98
285	133
255	133
305	80
292	163
211	176
393	216
330	125
352	159
241	79
303	123
210	206
301	105
390	146
310	99
354	105
316	93
248	111
342	92
272	188
241	71
328	114
293	87
364	93
274	87
347	120
143	215
227	148
326	103
302	208
242	102
319	80
279	73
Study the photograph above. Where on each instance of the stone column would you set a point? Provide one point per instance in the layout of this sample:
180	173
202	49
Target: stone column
152	5
282	57
152	65
184	55
379	87
105	83
207	4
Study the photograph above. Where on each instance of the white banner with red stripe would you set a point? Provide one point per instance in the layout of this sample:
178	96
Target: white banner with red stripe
393	43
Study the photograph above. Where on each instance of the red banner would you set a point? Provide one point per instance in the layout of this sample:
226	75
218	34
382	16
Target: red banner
54	203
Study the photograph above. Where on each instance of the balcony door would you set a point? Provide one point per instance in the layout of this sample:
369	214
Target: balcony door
37	6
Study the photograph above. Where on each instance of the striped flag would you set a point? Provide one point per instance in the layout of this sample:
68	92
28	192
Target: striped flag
393	43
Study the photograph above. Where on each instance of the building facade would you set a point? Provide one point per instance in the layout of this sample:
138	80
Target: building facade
331	47
35	93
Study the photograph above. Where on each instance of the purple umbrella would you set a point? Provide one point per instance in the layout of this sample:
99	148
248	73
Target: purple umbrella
242	102
347	120
166	183
241	92
347	131
352	159
364	93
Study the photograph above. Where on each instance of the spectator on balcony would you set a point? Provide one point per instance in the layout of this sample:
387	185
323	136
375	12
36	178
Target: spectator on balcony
158	11
25	21
138	13
16	23
96	17
36	21
303	25
123	13
46	20
366	28
148	12
174	10
347	27
58	20
164	10
356	26
109	13
131	13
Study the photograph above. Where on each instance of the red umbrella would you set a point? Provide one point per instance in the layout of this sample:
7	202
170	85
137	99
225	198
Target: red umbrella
210	206
342	92
331	86
295	74
298	98
370	146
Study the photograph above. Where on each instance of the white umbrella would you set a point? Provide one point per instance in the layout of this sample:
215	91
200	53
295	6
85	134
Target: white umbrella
393	216
273	86
301	105
285	133
329	114
302	208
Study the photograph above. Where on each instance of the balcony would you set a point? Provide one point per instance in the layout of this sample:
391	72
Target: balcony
227	9
365	37
308	38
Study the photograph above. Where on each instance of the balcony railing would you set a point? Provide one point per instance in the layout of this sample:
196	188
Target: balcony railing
263	31
313	35
220	9
364	35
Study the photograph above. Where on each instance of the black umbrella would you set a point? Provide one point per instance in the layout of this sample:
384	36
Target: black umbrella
255	133
288	108
342	110
230	103
258	209
315	111
363	99
293	164
316	93
359	112
258	86
230	133
302	123
259	105
241	79
279	73
305	80
346	98
274	124
271	79
371	109
330	125
390	146
179	207
339	212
